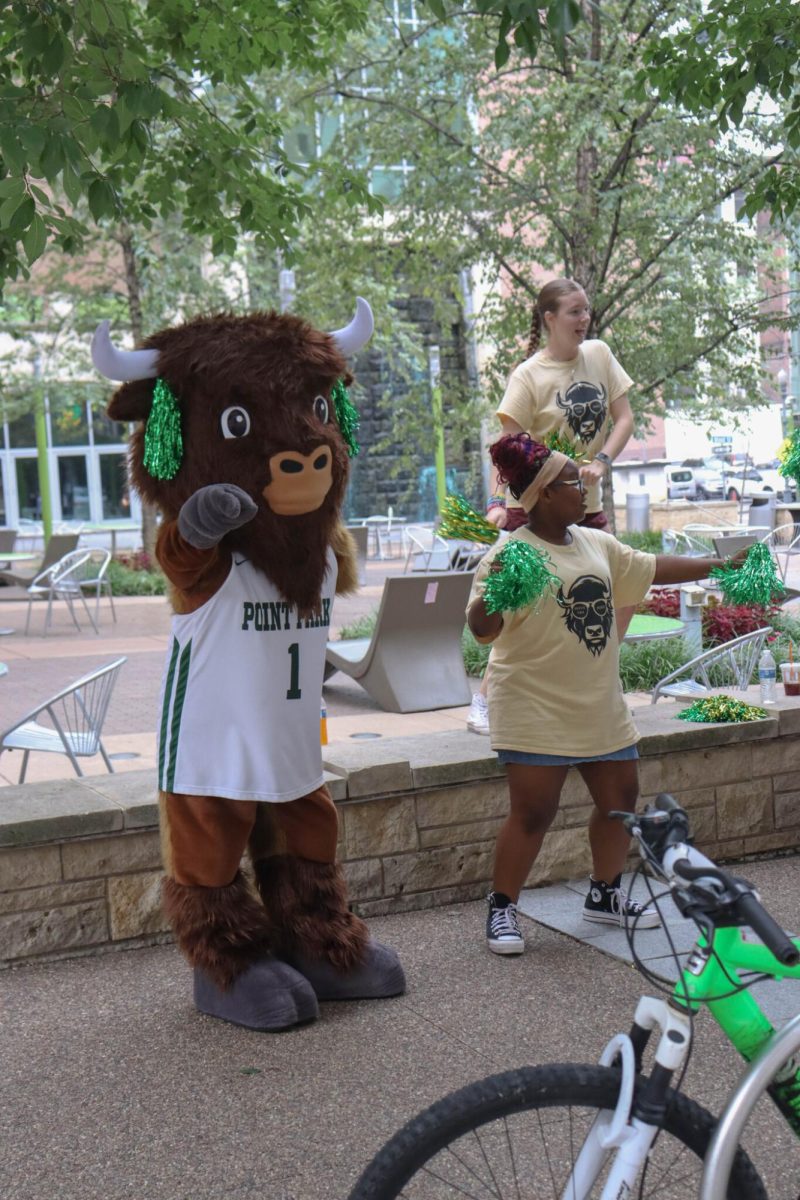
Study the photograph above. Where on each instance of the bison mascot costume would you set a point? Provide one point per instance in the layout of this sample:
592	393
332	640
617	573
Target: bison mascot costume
243	445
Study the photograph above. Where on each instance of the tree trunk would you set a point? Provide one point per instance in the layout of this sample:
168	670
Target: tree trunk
134	290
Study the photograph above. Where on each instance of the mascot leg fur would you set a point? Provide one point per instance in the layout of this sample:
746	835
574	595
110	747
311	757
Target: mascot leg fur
293	848
264	965
219	922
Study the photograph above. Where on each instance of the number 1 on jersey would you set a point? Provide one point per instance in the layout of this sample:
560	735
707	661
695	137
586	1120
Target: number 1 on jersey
294	692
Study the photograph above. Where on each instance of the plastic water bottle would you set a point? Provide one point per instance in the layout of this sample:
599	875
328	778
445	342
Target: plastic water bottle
767	676
323	720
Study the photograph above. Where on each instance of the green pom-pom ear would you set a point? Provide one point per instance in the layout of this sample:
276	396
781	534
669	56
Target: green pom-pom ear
163	442
347	416
722	709
460	520
756	582
789	454
524	578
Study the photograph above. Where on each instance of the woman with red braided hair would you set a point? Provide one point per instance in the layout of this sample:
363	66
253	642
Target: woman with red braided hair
555	698
575	388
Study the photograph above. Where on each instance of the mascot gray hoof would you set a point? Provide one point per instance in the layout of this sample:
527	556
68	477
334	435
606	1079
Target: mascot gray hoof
268	996
379	976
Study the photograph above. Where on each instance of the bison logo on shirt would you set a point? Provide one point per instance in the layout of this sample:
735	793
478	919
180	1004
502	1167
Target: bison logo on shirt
588	611
586	406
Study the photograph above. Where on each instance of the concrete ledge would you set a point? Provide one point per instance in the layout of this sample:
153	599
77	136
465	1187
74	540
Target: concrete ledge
80	866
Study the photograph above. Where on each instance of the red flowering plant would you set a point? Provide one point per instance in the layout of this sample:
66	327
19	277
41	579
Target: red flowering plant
721	622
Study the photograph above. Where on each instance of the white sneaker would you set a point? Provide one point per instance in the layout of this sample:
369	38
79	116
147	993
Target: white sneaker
478	719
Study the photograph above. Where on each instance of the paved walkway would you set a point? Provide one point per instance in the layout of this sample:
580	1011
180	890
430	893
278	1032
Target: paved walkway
114	1088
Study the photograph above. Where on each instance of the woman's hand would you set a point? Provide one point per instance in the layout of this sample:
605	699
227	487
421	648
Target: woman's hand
737	560
497	516
593	472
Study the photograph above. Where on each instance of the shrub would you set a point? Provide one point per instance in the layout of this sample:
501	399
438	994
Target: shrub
475	655
642	664
126	581
724	622
662	602
650	541
362	627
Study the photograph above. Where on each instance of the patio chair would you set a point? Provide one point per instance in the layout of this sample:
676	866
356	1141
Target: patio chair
677	541
77	714
57	583
732	664
7	539
86	577
58	545
784	542
413	661
425	550
725	546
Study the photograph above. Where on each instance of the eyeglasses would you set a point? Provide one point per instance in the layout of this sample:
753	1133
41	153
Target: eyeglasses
576	483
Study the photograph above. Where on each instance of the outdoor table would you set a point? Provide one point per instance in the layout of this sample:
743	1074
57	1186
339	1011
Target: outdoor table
645	627
15	556
112	527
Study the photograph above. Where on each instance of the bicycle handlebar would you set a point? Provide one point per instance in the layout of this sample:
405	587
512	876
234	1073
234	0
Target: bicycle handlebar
683	866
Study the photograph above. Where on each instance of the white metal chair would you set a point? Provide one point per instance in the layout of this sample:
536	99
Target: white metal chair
730	665
425	550
678	541
77	714
87	577
58	545
784	542
55	583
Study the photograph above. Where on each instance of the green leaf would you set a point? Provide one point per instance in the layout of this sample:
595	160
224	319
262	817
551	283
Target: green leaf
52	158
12	186
33	139
72	185
21	218
54	55
35	239
99	16
502	53
102	199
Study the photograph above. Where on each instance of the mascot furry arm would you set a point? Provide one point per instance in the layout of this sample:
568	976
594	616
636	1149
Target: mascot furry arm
244	445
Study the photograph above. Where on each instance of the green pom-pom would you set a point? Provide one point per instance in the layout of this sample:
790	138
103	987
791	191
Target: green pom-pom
756	582
722	709
347	416
163	441
524	578
460	520
555	441
789	454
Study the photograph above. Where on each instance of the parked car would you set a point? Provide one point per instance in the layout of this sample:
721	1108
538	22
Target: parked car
773	479
745	481
681	483
708	474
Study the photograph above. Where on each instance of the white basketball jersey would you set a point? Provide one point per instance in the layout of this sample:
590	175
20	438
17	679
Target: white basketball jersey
241	693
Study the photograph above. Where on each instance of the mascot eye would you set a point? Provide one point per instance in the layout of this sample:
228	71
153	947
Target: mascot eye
321	409
235	422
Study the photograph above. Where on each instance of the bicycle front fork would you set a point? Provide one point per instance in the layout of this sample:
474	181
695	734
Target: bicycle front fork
633	1125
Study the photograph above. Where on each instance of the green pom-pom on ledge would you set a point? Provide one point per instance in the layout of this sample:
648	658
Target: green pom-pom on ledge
460	520
756	582
722	709
525	577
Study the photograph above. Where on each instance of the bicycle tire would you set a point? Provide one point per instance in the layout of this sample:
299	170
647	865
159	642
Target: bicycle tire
410	1151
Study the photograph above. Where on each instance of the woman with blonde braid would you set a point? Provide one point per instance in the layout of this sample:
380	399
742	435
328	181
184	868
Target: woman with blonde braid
572	387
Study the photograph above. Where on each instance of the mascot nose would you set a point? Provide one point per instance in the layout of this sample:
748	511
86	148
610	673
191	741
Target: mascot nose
299	482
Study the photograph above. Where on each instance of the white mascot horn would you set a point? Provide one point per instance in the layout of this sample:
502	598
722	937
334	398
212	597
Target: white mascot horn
121	365
355	335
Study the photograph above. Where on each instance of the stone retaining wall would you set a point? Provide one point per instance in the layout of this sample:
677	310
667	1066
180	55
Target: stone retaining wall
674	514
79	859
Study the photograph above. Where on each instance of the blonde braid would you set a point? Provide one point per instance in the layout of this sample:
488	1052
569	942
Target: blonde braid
535	338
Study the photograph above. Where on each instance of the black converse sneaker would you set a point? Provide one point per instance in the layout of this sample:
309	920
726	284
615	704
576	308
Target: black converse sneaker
609	904
503	934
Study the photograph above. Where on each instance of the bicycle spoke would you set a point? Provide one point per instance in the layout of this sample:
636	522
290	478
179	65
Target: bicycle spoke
547	1152
511	1156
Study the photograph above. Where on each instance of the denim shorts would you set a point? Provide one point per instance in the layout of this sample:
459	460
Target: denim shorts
522	758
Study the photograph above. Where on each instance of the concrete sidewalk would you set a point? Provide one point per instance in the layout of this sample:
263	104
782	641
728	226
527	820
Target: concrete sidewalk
114	1088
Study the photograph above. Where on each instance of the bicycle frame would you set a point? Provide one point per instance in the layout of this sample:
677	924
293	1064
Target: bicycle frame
710	970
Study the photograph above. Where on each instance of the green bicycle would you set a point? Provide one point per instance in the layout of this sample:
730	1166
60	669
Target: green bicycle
612	1131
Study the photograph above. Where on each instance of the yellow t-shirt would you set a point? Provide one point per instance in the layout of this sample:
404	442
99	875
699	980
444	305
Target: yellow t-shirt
572	398
553	674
